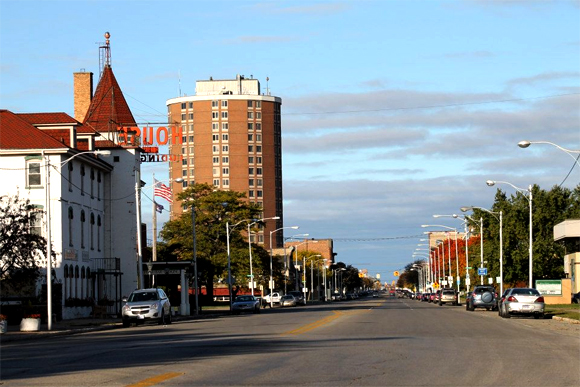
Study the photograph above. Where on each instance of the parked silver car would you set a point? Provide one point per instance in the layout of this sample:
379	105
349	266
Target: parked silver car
246	303
448	296
146	304
524	301
288	300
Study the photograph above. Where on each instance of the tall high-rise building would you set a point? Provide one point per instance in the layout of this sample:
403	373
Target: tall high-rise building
231	139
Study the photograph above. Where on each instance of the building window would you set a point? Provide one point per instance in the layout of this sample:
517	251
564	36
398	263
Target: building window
216	149
215	115
225	160
92	233
250	104
190	138
183	139
184	184
259	160
225	171
215	172
191	105
216	182
215	126
251	182
250	137
258	104
35	221
191	161
225	148
226	182
183	105
216	159
184	172
225	126
70	176
225	115
251	193
259	137
89	283
250	148
190	116
191	149
92	183
259	148
184	161
225	137
225	103
82	180
258	115
251	160
34	176
191	173
259	182
258	126
83	229
183	116
260	238
250	126
259	193
98	233
250	115
259	170
215	137
214	104
70	226
250	171
99	185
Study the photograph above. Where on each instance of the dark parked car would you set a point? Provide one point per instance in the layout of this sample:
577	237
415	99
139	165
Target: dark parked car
482	296
576	298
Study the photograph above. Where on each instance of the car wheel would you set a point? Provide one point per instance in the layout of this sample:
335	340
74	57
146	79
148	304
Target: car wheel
256	310
506	314
470	307
169	319
538	315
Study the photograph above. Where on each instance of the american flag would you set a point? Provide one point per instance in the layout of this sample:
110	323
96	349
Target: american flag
162	190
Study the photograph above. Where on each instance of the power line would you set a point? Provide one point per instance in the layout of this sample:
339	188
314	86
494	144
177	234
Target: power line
571	169
375	239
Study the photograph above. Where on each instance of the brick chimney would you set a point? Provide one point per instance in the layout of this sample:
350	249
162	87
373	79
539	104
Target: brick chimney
83	94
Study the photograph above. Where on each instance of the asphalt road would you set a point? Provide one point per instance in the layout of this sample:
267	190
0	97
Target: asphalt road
368	342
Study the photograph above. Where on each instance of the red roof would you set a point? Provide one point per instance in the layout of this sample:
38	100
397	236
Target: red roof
57	118
17	133
108	109
48	118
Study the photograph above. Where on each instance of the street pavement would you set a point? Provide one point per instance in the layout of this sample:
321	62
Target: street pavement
371	342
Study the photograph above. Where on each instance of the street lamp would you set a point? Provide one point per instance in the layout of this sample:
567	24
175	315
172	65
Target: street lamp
530	199
286	264
271	274
250	247
500	219
304	259
449	249
525	144
296	260
105	153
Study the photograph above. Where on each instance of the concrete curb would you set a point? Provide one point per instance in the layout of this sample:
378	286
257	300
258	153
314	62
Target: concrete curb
565	319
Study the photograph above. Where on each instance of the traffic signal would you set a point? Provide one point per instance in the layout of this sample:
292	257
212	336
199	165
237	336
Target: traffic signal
396	273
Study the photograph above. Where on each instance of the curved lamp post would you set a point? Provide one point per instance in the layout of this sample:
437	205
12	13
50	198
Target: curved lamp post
304	259
449	249
500	219
525	144
271	274
286	264
491	183
250	247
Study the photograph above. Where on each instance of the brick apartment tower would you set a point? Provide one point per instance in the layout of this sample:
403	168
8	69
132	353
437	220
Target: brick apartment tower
231	139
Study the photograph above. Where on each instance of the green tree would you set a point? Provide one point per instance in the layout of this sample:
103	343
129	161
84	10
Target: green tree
22	251
213	208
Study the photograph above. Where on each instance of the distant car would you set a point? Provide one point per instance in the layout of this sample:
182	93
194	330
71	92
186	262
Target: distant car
298	295
448	296
288	300
425	297
275	297
522	301
482	296
246	303
146	305
375	294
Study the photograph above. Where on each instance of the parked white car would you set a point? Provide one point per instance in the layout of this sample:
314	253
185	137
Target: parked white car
276	297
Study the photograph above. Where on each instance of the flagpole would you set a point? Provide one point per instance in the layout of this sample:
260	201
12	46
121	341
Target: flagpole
154	244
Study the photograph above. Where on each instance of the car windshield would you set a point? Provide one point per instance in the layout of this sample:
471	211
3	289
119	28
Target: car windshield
244	298
483	290
526	292
448	292
143	296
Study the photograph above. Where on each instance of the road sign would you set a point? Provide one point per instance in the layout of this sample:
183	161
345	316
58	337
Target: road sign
482	271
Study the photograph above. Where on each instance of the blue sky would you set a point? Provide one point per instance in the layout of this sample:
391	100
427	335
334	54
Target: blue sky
392	110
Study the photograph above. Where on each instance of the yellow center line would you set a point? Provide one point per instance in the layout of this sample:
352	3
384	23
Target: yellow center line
315	324
155	379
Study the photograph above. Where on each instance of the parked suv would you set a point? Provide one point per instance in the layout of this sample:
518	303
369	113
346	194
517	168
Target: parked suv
146	304
482	296
448	296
